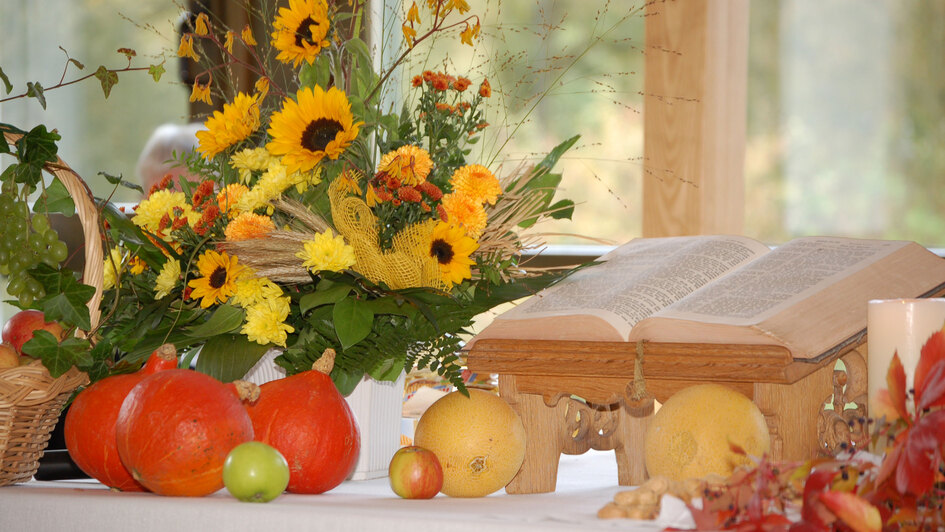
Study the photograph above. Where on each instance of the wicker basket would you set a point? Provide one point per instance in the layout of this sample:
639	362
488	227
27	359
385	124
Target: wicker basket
30	399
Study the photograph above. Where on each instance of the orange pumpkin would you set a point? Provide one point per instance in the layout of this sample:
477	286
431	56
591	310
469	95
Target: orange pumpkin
176	427
310	423
89	427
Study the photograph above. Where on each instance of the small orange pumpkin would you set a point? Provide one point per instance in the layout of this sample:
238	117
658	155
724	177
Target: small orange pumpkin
89	426
310	423
176	427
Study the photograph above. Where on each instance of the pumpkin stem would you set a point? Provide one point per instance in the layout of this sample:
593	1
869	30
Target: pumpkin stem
326	362
246	391
166	352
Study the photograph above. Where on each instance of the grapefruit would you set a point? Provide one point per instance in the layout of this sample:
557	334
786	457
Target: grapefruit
689	436
479	440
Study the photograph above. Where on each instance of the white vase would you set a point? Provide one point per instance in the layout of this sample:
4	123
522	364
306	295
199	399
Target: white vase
376	405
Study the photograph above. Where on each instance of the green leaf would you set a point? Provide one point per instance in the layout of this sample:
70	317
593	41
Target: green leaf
6	82
345	380
57	199
551	159
58	357
323	297
156	71
101	352
66	298
226	318
108	78
563	209
227	357
35	90
353	319
34	150
119	180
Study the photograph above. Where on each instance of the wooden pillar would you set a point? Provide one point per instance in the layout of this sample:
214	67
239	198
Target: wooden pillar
694	117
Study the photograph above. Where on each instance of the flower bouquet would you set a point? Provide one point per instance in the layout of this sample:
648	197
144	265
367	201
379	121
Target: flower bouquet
325	218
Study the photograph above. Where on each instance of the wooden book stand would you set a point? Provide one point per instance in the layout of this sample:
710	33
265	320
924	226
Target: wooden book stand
574	396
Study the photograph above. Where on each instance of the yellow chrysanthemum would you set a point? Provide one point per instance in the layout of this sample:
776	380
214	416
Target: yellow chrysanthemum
217	282
136	266
163	202
251	290
113	265
477	182
271	185
451	248
462	210
250	159
167	278
229	197
410	164
301	31
224	129
319	125
247	226
265	321
326	252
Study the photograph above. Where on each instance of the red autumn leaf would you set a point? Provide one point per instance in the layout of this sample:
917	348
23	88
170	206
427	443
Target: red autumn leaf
855	512
882	407
929	372
896	383
921	453
804	526
891	461
814	511
708	519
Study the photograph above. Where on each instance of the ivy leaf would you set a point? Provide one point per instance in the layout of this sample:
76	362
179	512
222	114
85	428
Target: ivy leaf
6	82
323	297
66	297
34	150
57	199
226	318
101	352
353	320
108	79
227	357
58	357
35	90
156	71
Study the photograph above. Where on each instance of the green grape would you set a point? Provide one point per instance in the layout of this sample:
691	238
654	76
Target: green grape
33	286
4	269
15	286
50	237
37	244
4	255
59	251
40	223
19	227
26	299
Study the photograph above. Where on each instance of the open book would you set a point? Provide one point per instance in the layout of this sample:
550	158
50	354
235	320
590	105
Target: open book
809	295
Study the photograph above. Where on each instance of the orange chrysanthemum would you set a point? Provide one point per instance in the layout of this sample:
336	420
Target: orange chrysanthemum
230	196
247	226
465	211
476	182
485	90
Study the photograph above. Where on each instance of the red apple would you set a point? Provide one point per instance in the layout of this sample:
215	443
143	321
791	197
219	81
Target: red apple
19	328
415	473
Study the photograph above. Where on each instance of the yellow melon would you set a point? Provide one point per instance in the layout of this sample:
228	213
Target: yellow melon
689	436
479	440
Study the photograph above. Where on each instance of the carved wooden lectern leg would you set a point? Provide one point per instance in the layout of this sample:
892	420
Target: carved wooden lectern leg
555	423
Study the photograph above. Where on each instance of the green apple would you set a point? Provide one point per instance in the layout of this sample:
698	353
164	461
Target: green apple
255	472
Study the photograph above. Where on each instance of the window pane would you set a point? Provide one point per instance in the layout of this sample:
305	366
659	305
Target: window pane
845	120
97	134
560	69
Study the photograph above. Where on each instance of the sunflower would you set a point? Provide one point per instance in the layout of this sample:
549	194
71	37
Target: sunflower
237	121
451	248
219	272
408	163
301	31
319	125
477	182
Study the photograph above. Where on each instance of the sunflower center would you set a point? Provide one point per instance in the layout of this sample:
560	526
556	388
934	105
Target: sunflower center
319	133
304	31
442	251
218	277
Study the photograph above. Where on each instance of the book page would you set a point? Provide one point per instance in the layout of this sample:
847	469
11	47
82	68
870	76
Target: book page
639	278
778	280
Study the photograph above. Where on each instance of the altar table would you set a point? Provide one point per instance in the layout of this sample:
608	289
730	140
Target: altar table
585	483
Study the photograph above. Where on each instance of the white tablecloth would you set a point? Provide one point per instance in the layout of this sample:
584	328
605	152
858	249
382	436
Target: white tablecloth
585	483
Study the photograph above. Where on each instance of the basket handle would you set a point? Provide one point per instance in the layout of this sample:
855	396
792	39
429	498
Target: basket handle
93	272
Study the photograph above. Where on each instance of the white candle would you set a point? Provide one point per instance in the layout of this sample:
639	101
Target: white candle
903	326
